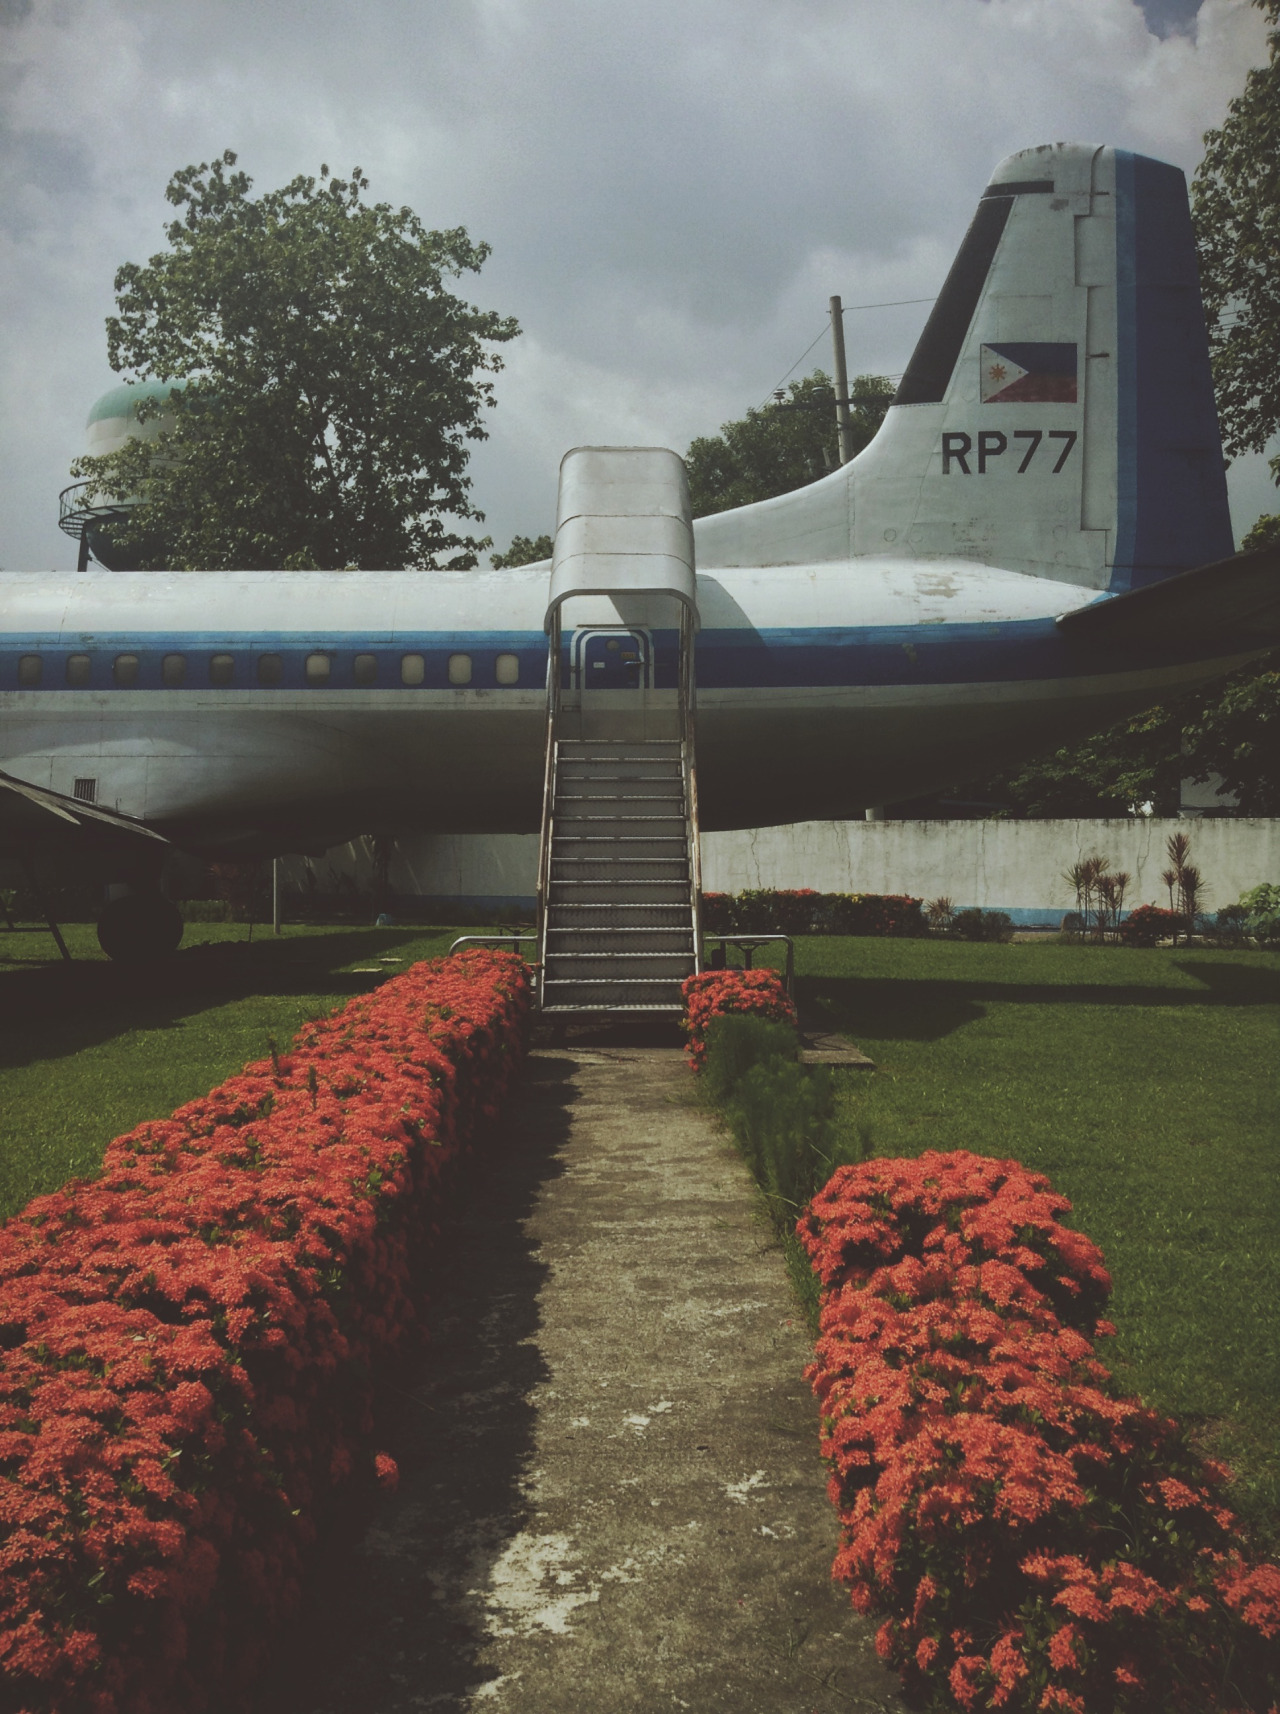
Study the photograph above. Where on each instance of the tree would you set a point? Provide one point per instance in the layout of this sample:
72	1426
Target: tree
782	445
1236	208
524	550
330	380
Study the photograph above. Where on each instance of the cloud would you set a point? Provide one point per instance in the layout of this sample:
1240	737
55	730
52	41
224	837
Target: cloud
672	191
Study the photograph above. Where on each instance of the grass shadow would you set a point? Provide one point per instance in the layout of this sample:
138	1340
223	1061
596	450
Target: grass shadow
51	1009
924	1009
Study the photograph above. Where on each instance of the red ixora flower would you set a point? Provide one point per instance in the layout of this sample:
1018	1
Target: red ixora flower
1035	1538
186	1343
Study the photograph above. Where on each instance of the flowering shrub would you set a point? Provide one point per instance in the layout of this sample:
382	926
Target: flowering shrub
1034	1538
801	910
1150	923
715	993
717	913
186	1342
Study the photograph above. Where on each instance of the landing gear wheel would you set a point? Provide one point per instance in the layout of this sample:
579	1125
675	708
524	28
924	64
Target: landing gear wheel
138	927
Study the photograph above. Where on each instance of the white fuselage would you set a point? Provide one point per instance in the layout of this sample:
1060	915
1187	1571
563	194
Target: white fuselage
821	689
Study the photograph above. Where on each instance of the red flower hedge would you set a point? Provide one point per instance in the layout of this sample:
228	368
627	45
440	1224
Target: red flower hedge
716	992
1037	1539
186	1343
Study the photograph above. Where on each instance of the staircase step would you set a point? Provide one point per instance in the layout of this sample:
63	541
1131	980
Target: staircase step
607	967
604	937
619	918
604	994
618	746
573	818
582	774
618	847
619	890
633	869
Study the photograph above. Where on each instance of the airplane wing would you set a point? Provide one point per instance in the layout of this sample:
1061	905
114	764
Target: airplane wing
32	815
1232	603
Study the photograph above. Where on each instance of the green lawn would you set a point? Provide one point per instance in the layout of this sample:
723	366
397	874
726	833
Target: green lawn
89	1049
1145	1085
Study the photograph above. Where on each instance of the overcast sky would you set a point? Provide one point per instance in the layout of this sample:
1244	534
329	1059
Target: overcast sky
672	189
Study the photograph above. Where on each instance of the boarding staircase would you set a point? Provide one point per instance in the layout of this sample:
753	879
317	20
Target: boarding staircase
618	891
621	917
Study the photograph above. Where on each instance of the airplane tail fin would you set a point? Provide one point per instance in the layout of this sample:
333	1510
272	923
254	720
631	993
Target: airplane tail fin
1057	415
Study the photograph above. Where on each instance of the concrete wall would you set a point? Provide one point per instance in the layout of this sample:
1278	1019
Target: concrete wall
1014	866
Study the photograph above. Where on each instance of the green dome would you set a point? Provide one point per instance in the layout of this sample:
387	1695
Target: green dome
120	401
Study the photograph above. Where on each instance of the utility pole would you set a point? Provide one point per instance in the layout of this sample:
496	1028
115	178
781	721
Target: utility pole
276	915
843	425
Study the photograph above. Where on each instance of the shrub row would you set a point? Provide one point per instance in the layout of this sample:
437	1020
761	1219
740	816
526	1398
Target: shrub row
801	910
781	1115
1035	1538
186	1343
721	993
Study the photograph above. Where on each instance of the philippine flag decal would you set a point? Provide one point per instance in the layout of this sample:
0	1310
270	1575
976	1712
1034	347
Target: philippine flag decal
1028	374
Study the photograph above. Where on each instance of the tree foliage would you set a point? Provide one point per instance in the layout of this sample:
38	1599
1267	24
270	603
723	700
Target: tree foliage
1232	730
785	444
524	550
331	380
1236	207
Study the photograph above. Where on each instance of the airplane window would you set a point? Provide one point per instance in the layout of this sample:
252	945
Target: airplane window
222	669
506	669
270	669
173	670
365	669
125	670
459	669
30	671
413	669
318	668
78	669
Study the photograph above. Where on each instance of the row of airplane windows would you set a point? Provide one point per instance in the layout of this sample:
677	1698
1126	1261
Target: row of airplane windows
318	669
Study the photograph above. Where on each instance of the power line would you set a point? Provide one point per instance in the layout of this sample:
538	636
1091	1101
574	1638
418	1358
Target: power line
799	360
892	303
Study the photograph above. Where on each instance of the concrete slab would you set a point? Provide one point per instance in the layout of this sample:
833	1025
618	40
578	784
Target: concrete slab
611	1496
823	1047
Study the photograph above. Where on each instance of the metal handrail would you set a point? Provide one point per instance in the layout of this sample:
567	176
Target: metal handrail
511	940
548	794
75	518
687	698
746	943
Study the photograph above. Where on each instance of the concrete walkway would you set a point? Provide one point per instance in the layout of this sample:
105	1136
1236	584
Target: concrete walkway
611	1498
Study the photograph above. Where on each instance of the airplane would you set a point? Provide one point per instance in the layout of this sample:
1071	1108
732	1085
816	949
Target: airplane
1036	543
